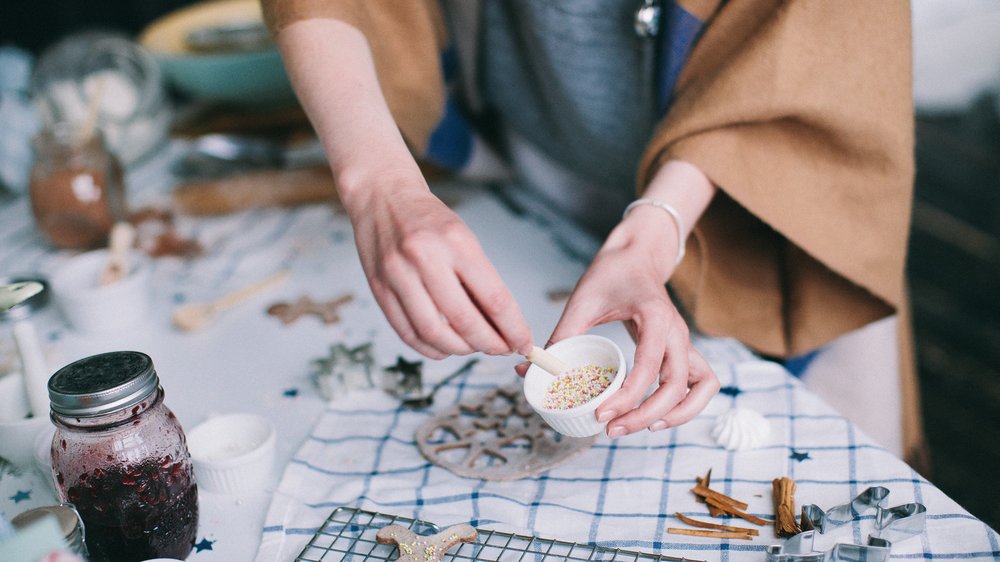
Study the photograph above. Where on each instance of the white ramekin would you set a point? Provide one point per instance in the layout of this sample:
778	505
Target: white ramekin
233	453
94	309
576	352
18	432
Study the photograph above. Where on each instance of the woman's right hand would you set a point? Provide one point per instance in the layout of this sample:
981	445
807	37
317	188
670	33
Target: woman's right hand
425	267
430	276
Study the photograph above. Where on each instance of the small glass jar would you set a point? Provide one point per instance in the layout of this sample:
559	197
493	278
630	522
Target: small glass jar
68	519
110	73
120	456
77	189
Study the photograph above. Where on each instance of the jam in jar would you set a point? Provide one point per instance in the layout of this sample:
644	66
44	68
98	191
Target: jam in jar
120	456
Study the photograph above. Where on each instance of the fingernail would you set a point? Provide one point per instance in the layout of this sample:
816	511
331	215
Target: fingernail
606	415
658	425
617	431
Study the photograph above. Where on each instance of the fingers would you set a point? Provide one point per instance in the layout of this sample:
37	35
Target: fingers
522	368
428	324
678	399
401	324
703	386
462	314
649	351
494	302
439	313
577	318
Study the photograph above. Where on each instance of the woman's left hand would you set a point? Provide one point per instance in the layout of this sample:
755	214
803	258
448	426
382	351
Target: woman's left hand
626	281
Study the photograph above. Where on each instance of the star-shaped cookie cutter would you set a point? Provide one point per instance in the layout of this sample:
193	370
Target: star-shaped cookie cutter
891	525
343	370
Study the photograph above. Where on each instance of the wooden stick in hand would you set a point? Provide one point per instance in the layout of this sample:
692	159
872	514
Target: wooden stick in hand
546	361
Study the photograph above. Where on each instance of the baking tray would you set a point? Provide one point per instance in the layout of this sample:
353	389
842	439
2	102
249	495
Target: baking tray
349	534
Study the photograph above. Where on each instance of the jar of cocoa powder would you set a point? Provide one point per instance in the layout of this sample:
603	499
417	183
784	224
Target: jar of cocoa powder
77	190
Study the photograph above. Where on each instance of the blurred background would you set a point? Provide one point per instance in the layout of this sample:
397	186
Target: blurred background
954	263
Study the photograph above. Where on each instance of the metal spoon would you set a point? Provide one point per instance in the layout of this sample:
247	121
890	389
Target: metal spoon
221	154
14	294
421	402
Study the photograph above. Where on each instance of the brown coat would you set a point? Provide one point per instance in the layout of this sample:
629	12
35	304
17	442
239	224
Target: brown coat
800	111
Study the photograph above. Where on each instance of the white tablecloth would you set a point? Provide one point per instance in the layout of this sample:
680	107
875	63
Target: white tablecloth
359	451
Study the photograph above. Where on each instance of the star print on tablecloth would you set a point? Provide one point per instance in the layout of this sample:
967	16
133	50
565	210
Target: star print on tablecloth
799	456
733	391
290	392
204	544
21	495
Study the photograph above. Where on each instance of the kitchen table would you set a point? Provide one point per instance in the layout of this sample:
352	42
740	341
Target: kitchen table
359	450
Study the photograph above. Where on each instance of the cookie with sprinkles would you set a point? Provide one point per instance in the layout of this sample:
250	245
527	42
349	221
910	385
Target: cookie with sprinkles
422	548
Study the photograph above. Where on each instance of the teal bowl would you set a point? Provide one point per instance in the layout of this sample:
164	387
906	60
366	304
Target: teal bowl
257	78
244	77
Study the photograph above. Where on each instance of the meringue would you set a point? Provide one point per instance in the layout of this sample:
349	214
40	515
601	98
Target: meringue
740	429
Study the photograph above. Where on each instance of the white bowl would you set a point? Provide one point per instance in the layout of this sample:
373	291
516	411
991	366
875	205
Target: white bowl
577	351
18	433
233	453
93	309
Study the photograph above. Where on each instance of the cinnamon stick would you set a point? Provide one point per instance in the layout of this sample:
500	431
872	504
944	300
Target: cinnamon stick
707	482
718	497
708	534
737	512
716	526
784	507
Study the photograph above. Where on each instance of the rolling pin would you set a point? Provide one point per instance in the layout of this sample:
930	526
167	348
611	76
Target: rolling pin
255	190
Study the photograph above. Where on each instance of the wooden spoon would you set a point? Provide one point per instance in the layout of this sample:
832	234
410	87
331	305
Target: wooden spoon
122	238
193	317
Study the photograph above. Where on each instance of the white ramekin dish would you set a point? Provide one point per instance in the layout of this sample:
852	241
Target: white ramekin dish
18	432
94	309
233	453
576	352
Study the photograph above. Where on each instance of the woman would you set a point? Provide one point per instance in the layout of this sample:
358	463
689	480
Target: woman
778	134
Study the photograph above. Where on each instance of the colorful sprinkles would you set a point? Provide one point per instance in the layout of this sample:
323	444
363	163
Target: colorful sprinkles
578	386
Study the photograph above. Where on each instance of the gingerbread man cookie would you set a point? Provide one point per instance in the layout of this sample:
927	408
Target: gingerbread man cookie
421	548
327	311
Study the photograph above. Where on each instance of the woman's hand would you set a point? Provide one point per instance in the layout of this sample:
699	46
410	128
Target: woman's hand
626	282
430	275
426	269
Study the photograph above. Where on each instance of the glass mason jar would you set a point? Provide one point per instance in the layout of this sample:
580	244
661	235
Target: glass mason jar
76	188
120	456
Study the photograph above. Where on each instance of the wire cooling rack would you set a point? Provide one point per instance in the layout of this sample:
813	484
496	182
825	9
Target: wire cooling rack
349	534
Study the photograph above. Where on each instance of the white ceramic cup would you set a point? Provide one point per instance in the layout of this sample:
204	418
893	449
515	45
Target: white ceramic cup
233	453
576	352
94	309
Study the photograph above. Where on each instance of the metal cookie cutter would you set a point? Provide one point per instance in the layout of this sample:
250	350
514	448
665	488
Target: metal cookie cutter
892	525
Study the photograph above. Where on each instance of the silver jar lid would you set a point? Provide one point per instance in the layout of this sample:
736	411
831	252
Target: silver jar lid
102	384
